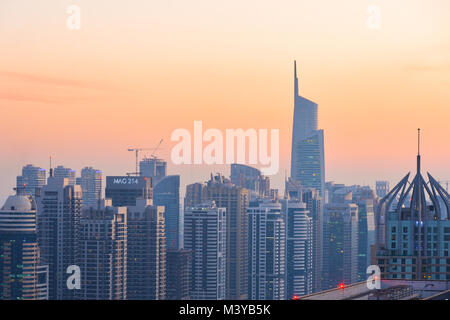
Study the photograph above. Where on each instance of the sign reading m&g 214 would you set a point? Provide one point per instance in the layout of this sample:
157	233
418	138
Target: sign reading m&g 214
125	180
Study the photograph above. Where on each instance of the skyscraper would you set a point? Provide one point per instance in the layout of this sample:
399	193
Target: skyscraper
31	179
250	178
365	198
235	200
154	168
340	259
307	156
146	268
59	208
91	185
206	237
299	248
314	207
267	236
382	188
22	276
124	190
102	255
178	274
166	193
413	230
62	172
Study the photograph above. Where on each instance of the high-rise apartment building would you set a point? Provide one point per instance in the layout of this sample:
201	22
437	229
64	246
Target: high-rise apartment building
62	172
250	178
22	276
146	268
178	274
267	258
382	188
307	156
102	254
59	208
31	179
295	192
205	235
299	248
235	200
91	185
340	258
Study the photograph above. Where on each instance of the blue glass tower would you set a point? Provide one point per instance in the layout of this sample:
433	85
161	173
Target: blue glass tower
307	157
167	193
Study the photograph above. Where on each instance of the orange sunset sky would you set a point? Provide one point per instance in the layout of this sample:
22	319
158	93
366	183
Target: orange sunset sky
137	70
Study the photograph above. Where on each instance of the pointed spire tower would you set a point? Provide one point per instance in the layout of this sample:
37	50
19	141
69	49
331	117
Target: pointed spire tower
307	142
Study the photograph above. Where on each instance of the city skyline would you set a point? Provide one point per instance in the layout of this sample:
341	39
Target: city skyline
365	82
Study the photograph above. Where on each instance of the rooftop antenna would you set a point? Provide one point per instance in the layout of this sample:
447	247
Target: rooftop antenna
418	141
51	169
418	150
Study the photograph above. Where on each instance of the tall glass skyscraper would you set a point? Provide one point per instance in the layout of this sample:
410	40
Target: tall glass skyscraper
307	157
166	193
31	179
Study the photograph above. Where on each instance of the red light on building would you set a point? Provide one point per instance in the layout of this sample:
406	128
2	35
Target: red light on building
295	297
341	286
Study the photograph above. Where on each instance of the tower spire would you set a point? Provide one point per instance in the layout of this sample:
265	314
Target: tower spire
295	79
418	150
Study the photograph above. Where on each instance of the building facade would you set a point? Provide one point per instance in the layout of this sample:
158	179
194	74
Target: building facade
340	259
166	193
235	200
59	209
31	179
124	190
178	274
62	172
206	237
146	251
22	276
299	249
91	185
267	258
102	255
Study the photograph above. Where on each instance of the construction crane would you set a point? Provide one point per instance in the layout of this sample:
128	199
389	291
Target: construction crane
137	150
156	148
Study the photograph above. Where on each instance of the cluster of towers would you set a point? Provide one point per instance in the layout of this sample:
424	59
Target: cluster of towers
235	238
